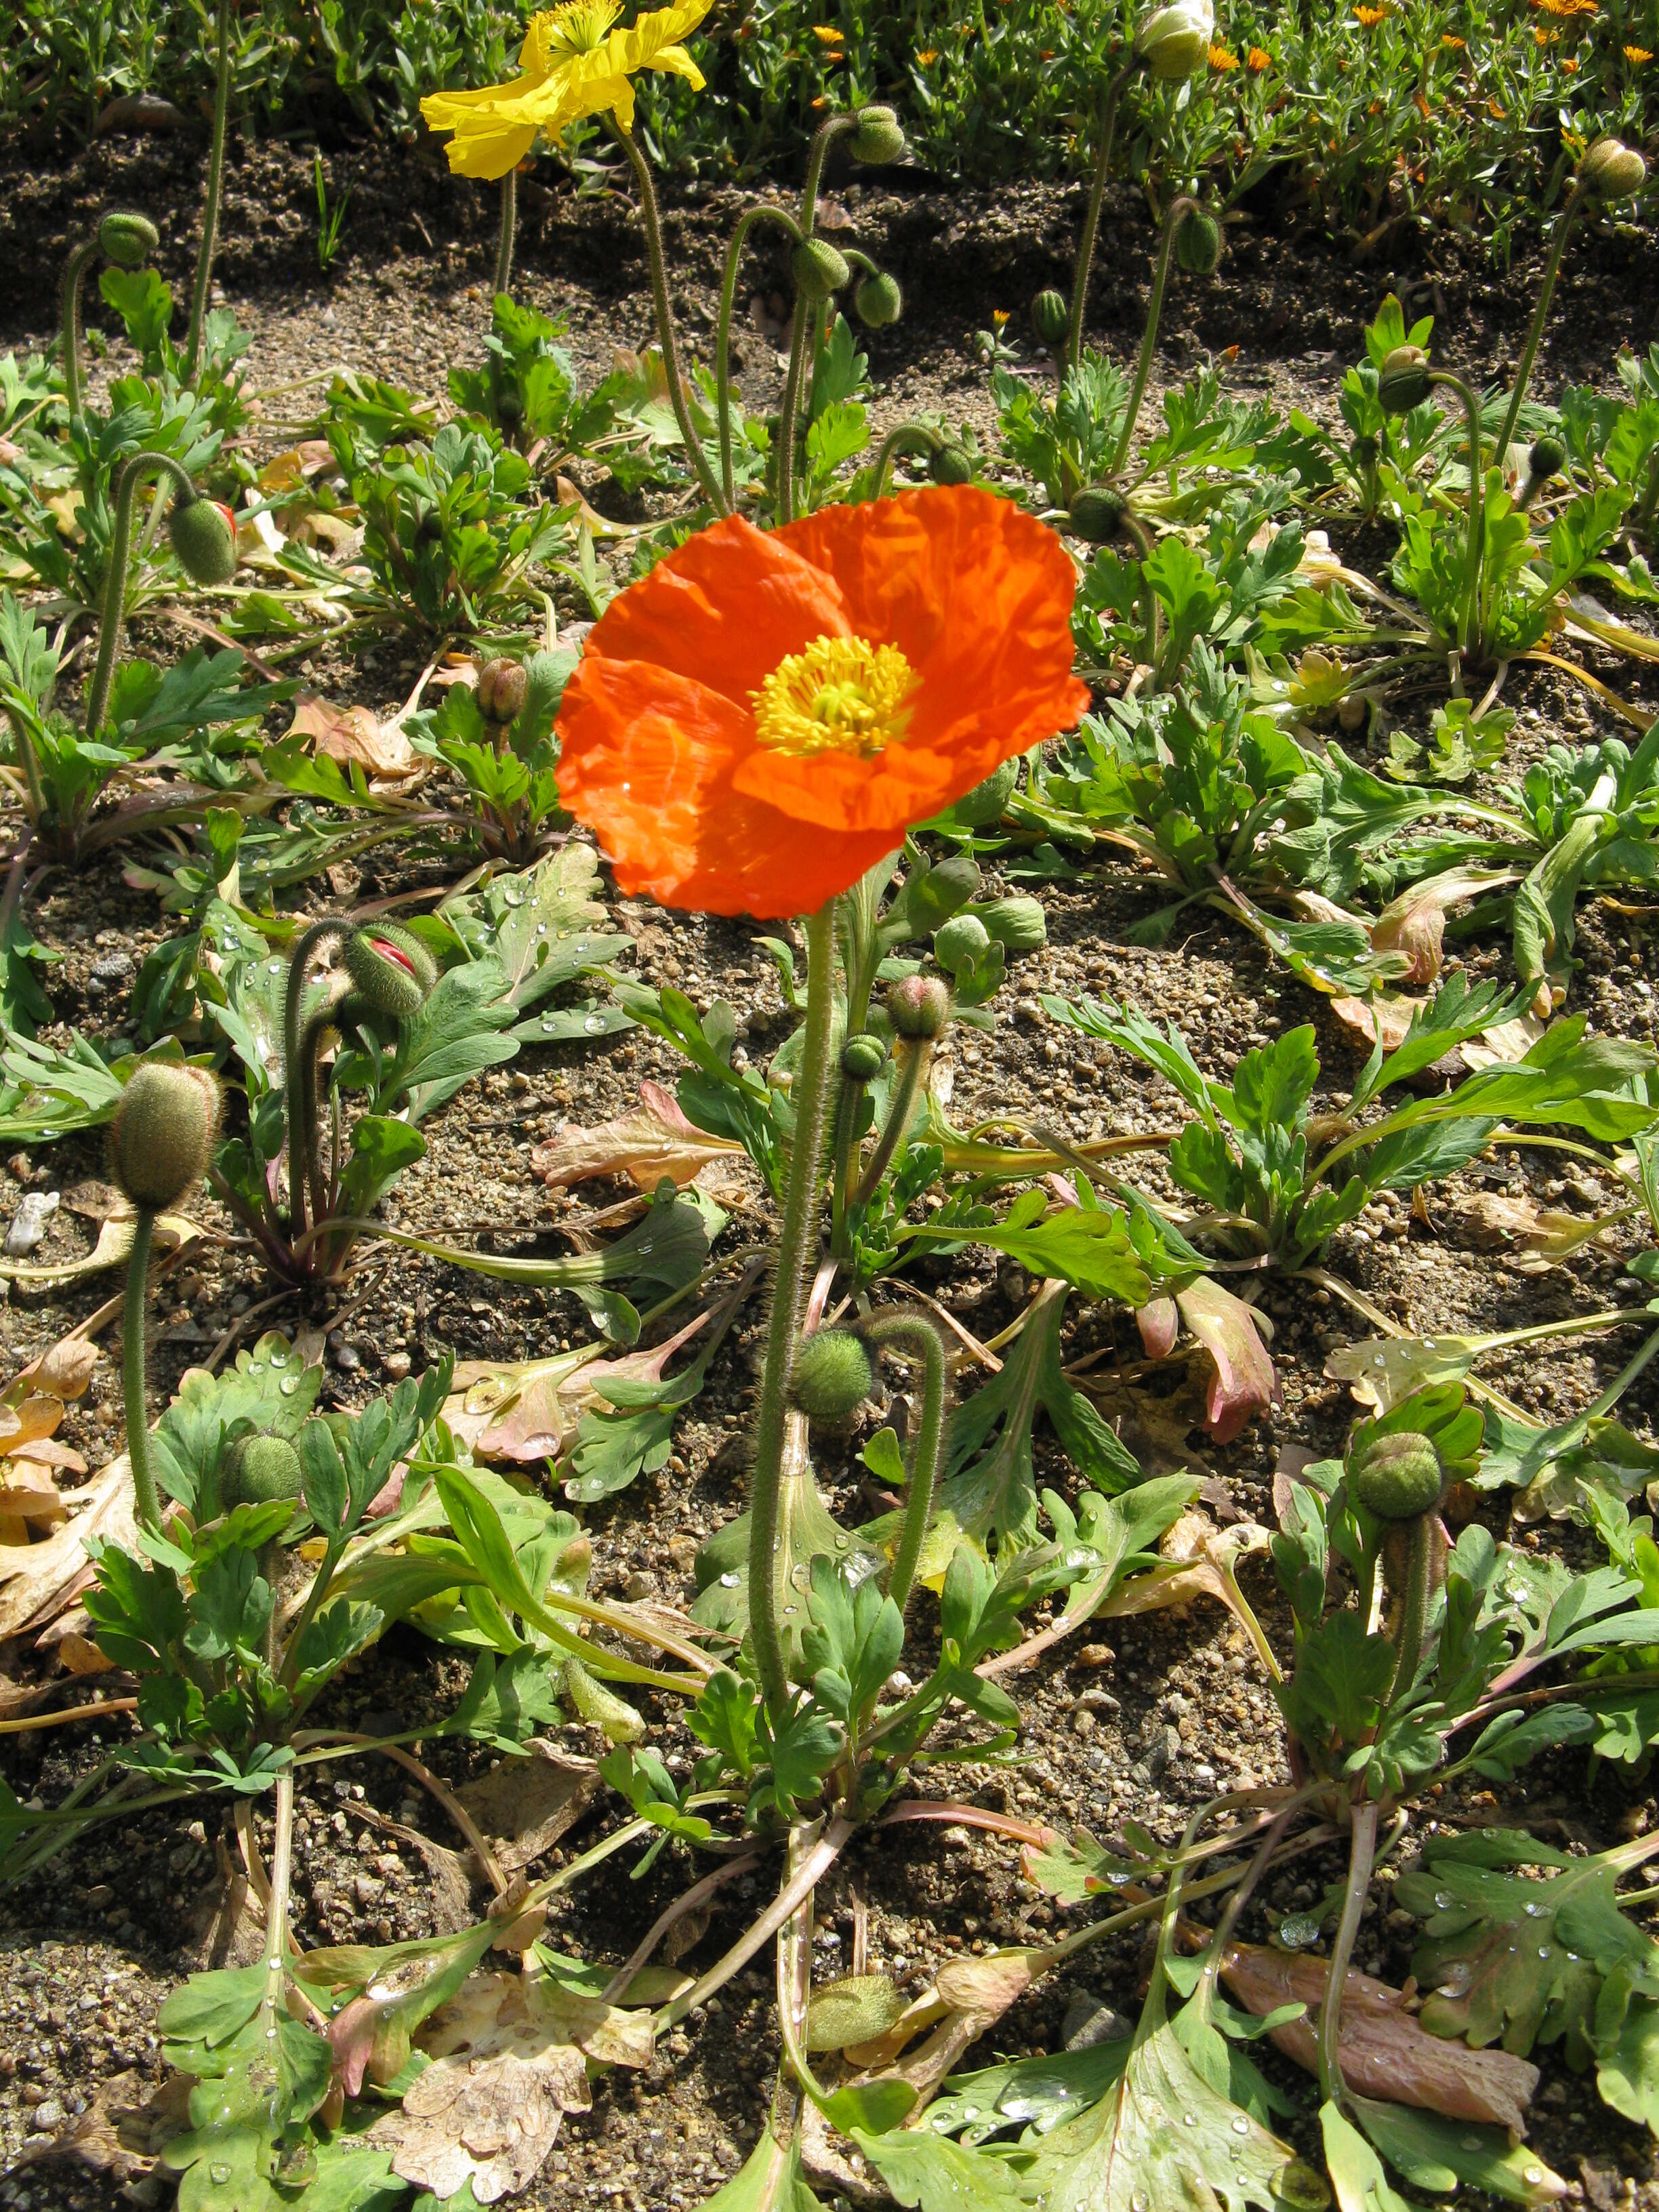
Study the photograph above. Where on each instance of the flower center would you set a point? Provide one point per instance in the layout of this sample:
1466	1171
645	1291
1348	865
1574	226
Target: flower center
840	694
580	26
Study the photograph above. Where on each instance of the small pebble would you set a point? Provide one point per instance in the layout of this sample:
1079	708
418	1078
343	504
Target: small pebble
1096	1655
30	1222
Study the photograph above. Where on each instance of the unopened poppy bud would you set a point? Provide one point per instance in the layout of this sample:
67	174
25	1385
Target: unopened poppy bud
960	942
877	138
861	1057
1365	451
259	1468
162	1133
202	535
1396	1477
127	238
1613	170
819	269
504	688
950	463
1051	319
1403	382
878	301
392	970
1097	512
1173	42
831	1377
509	407
918	1008
1548	459
1198	242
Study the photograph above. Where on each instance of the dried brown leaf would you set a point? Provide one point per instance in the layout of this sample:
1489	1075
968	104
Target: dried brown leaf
524	1805
653	1141
38	1580
1537	1237
352	734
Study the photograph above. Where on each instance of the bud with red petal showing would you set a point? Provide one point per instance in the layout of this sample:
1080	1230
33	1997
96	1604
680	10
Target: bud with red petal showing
503	687
918	1008
202	535
391	969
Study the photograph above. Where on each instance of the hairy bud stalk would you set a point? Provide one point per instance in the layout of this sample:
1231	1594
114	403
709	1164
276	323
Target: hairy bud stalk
1398	1478
205	543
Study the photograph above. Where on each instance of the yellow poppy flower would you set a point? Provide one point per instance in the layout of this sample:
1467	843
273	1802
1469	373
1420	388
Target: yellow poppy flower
574	62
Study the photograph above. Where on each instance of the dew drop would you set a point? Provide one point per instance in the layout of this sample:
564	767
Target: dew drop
1532	2176
970	2111
593	1024
730	1582
289	1385
1533	1912
1189	2119
1444	1900
541	929
219	2175
1241	2125
1471	2142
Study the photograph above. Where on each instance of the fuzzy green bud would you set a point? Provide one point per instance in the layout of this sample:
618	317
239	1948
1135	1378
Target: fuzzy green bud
950	463
162	1133
961	943
862	1056
1097	512
1198	242
1365	450
259	1468
819	270
127	238
392	970
1613	170
1173	42
1396	1476
877	138
918	1008
1017	923
987	801
503	687
1548	459
1051	318
202	535
831	1377
1403	382
877	301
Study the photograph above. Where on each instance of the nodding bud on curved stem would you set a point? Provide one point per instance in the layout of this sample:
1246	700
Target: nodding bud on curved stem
878	136
1097	513
162	1134
830	1377
127	238
1403	382
391	969
1398	1476
1198	242
1051	317
950	463
1173	42
878	302
1613	170
819	270
202	535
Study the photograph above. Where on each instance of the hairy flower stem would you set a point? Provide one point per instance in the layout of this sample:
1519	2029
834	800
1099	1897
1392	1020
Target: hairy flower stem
1361	1853
509	226
1529	351
133	473
1423	1545
216	180
797	1250
723	333
274	2003
300	1071
1180	206
912	1071
133	1376
652	219
1474	543
909	438
915	1333
74	276
1085	244
802	319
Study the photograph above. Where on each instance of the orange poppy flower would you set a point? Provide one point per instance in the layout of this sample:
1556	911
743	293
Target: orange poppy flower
759	719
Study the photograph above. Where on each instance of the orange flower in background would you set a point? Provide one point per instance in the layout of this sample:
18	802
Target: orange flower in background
1223	59
1456	45
759	719
1369	18
1637	56
1258	60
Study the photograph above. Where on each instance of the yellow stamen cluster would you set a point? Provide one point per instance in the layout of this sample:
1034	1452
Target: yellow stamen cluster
840	694
580	27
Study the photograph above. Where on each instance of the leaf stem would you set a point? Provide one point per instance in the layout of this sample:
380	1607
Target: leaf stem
1474	542
509	225
917	1333
215	178
74	276
299	1069
1361	1855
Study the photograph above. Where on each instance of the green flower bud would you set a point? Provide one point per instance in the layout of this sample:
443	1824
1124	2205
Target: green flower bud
819	269
127	238
503	687
1403	382
600	1707
1173	42
1613	170
1097	512
1051	318
1548	459
1365	450
258	1468
961	943
879	138
862	1056
509	407
831	1377
950	463
1018	923
878	301
162	1133
1396	1476
987	801
1198	242
202	535
918	1008
392	970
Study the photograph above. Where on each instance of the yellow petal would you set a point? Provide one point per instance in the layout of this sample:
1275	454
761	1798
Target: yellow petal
677	63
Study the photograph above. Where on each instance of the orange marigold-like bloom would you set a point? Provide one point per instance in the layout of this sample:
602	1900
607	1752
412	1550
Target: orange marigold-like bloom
928	54
1257	60
1371	17
1223	59
828	36
1542	38
1457	45
1570	64
760	719
1638	56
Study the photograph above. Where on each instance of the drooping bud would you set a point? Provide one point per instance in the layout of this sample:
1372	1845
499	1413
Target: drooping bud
1173	42
202	535
918	1007
1396	1477
601	1708
392	970
1365	450
1403	382
1613	170
987	801
503	687
950	463
961	942
878	301
831	1377
879	138
1097	512
258	1468
162	1133
1018	923
862	1056
819	270
127	238
1198	242
1548	459
1051	318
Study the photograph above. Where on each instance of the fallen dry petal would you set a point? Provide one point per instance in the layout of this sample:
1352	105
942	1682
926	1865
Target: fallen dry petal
653	1141
352	733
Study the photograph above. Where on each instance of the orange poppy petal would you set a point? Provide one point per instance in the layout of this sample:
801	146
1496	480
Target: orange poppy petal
647	761
724	610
